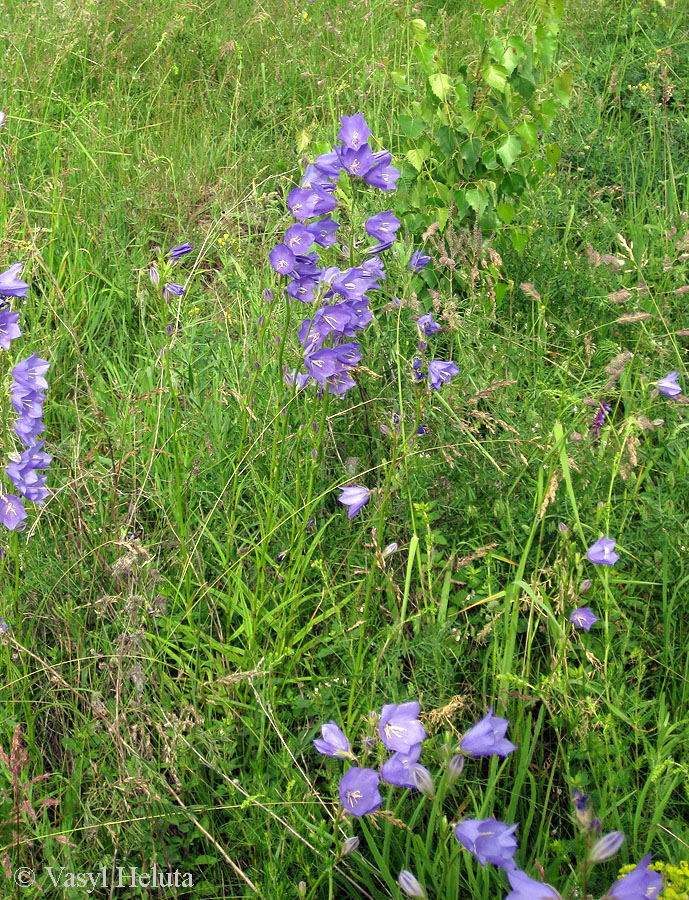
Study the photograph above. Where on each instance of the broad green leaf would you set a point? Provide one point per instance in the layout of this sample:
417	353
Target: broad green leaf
528	131
562	86
462	95
446	139
416	157
477	200
488	158
479	27
441	85
425	53
461	203
495	76
519	239
509	60
442	215
471	151
411	128
539	166
506	212
399	79
419	29
552	154
303	140
524	86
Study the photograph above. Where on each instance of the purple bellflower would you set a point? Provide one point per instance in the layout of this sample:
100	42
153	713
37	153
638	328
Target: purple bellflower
418	261
525	888
281	259
172	288
29	372
383	177
178	252
382	226
669	386
397	769
602	552
11	285
12	513
299	239
355	498
323	231
356	162
426	325
639	884
583	618
9	329
487	737
359	794
399	726
333	743
354	132
440	372
489	840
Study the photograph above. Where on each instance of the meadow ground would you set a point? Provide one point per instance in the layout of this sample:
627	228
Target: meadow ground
192	602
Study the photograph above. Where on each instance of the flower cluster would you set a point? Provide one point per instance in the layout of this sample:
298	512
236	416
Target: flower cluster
171	258
439	371
402	733
25	470
329	353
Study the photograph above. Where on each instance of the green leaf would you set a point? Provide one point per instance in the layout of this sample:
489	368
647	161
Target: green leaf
303	139
529	132
462	95
479	27
399	79
552	154
425	53
506	212
523	85
562	86
471	151
419	29
416	157
519	239
446	139
461	203
540	166
411	128
477	200
441	85
495	76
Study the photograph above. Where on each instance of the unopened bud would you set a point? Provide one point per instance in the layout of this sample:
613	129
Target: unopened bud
456	767
410	885
423	781
349	846
606	847
155	277
585	585
301	889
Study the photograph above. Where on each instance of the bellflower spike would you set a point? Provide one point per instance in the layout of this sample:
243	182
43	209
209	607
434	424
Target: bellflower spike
11	285
418	261
397	769
639	884
583	618
440	372
333	743
355	498
12	513
602	552
399	726
489	840
178	252
9	329
487	737
525	888
669	386
354	132
410	885
359	794
606	847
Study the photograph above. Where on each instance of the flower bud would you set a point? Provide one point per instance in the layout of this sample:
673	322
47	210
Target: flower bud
349	846
456	767
301	889
585	585
155	277
423	781
410	886
563	529
606	847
